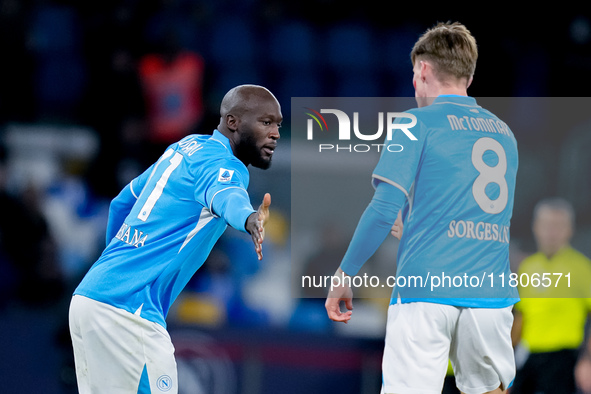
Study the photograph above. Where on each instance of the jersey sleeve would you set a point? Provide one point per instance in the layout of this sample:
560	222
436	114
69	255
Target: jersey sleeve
137	184
373	228
225	194
400	158
233	204
122	204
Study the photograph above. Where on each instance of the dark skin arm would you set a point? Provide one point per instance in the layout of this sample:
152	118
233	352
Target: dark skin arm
255	225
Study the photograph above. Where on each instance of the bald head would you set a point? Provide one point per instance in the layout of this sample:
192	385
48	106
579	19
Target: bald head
250	116
244	98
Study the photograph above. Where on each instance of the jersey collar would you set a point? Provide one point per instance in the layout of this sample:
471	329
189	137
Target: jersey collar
219	137
455	99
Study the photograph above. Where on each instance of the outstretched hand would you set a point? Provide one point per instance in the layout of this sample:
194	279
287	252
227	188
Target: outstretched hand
340	291
255	225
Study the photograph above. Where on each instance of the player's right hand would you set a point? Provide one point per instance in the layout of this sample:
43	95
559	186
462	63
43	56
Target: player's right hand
339	292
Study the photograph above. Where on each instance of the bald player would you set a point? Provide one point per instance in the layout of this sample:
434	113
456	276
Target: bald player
161	228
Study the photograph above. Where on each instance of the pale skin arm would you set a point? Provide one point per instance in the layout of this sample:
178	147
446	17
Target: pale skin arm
255	225
343	291
583	370
339	293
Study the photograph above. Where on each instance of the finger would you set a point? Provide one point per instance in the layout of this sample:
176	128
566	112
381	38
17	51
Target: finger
261	228
261	239
349	303
339	316
263	213
335	314
258	244
333	309
259	252
395	233
347	316
266	201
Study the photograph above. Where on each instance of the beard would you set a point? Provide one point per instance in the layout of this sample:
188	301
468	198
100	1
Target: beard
253	154
261	162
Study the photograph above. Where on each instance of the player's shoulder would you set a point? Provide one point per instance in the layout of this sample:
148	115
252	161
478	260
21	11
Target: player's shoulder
220	158
210	154
444	106
206	147
202	143
453	105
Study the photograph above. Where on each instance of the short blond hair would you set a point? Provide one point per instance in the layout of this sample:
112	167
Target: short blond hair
450	47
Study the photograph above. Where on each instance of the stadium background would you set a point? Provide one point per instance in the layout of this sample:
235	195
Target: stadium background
77	124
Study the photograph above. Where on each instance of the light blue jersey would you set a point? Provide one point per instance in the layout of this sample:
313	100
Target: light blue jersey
459	179
455	185
163	225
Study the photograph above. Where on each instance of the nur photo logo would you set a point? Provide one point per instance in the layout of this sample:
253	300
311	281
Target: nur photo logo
388	123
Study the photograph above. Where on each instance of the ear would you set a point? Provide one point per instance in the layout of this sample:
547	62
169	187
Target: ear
232	122
425	68
469	82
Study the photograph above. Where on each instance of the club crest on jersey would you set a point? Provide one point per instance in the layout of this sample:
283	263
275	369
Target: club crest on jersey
225	175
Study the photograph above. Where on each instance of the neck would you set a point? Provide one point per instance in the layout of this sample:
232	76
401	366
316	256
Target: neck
451	89
438	90
231	137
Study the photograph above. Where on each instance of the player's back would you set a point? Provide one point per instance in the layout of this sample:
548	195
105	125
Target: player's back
461	186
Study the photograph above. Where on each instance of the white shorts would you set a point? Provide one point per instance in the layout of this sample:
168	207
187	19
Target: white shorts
118	352
421	337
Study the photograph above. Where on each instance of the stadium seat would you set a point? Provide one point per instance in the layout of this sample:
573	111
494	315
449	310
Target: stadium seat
350	47
298	83
350	61
396	68
54	29
232	42
292	45
60	82
362	83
